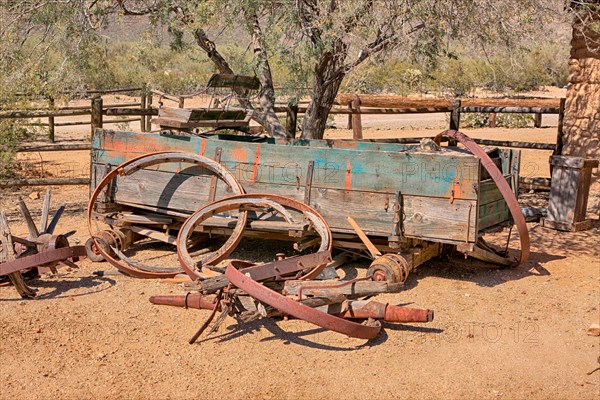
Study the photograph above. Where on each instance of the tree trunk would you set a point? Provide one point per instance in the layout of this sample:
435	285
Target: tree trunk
328	78
315	118
265	116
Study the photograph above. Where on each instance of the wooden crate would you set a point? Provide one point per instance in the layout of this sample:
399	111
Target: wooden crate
570	187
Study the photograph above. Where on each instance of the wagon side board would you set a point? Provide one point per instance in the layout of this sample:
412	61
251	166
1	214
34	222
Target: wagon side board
439	192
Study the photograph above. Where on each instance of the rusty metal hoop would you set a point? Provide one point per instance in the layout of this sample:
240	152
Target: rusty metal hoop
237	202
131	166
298	310
503	187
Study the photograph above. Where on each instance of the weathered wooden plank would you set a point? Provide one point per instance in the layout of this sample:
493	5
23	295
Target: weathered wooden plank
493	213
489	193
425	217
355	289
411	172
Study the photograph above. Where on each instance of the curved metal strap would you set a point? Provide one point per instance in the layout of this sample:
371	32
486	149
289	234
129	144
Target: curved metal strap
298	310
503	186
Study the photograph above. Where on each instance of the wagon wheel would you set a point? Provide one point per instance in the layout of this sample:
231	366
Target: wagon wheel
118	259
242	202
41	238
481	251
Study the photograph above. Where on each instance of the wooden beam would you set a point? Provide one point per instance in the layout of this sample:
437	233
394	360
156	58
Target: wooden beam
55	147
43	182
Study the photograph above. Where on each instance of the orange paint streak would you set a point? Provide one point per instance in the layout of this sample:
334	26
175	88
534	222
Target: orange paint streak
348	176
256	160
239	154
202	146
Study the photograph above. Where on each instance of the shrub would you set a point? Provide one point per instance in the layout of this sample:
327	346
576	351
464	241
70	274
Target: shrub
503	120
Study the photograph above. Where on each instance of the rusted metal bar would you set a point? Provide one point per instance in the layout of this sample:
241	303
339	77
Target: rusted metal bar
189	300
364	309
45	257
503	187
298	310
266	271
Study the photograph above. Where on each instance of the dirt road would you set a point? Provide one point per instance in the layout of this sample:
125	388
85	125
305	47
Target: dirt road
497	333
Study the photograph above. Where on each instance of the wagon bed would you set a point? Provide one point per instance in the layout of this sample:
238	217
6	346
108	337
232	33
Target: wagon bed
395	192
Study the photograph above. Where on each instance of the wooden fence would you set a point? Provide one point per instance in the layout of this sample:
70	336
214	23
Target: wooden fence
352	105
71	111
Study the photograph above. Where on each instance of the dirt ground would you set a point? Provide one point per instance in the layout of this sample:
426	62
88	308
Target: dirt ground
497	333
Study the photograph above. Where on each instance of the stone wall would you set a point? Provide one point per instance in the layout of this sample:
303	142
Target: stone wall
581	125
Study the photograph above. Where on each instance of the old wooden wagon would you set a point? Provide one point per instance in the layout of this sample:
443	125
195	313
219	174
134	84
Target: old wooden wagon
411	200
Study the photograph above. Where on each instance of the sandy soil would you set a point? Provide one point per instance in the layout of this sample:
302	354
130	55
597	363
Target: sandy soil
498	333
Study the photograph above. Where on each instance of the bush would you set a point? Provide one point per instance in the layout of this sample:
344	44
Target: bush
10	137
503	120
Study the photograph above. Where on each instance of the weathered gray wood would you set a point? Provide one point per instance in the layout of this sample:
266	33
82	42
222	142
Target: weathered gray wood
130	111
516	144
352	290
292	120
43	182
454	119
559	131
356	119
425	217
33	231
96	114
517	110
492	213
45	212
56	147
571	177
534	183
26	114
8	254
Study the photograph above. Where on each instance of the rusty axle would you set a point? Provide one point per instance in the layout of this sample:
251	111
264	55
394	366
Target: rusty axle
190	300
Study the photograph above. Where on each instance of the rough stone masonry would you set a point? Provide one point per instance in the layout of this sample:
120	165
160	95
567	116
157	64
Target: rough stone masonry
581	125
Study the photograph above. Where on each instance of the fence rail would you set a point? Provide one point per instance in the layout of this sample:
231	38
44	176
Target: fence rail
352	105
73	111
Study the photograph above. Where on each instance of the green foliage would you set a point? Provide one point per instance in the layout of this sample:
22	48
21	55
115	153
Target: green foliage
11	135
474	120
503	120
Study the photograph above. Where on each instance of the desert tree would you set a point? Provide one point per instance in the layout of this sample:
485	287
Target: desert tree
321	41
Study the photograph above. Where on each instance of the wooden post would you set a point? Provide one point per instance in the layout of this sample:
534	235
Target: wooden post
356	120
143	99
537	123
51	120
96	114
350	116
149	118
492	120
292	120
559	133
454	120
181	102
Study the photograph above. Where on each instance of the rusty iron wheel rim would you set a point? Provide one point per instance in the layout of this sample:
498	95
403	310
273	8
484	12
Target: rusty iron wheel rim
236	202
131	166
503	187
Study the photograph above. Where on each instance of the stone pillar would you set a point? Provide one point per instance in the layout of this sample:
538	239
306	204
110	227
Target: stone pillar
581	124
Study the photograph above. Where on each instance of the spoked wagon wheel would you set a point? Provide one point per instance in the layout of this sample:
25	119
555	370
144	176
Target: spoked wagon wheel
111	242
